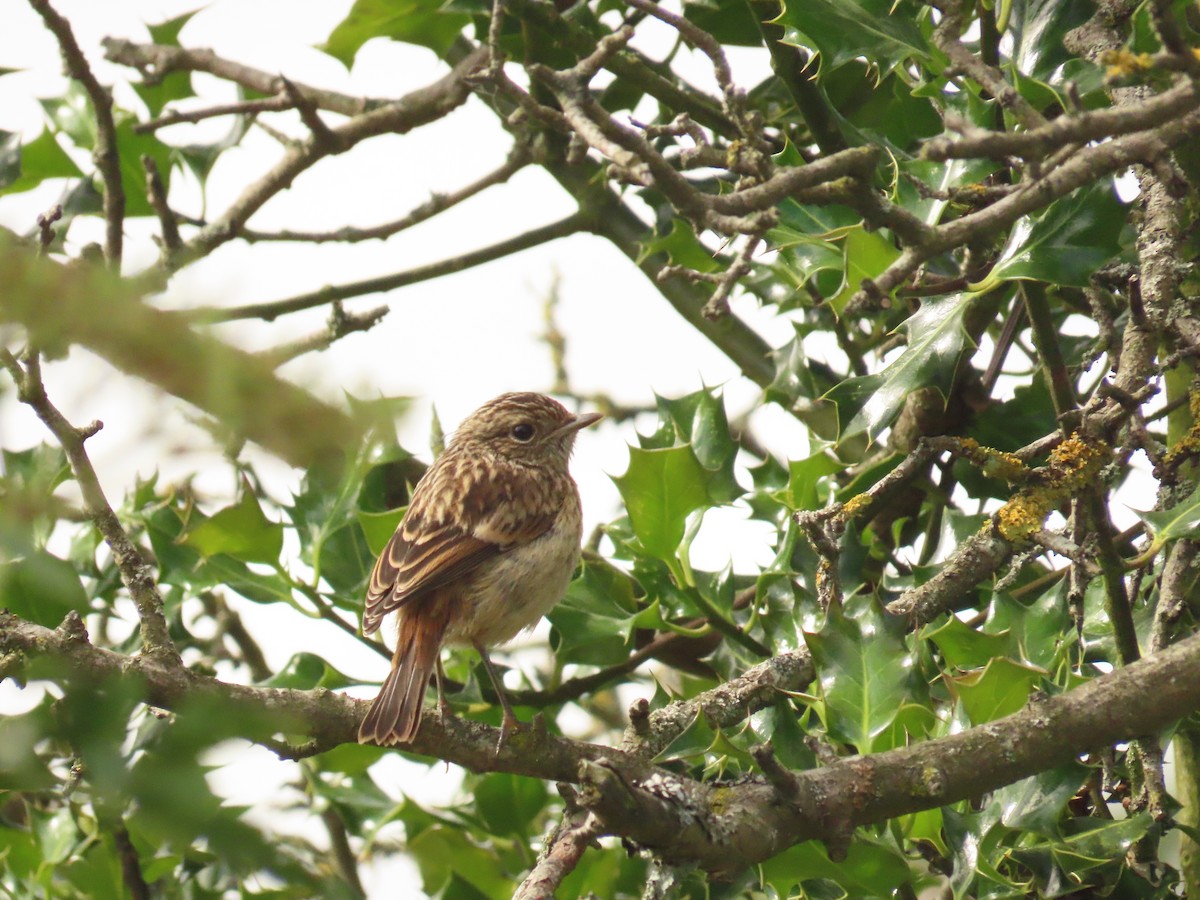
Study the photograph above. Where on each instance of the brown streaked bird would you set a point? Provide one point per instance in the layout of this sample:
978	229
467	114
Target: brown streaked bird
486	548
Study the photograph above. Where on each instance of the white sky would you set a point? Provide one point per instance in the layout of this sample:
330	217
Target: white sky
455	341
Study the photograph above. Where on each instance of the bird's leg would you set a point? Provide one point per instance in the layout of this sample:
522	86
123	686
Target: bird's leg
439	675
510	721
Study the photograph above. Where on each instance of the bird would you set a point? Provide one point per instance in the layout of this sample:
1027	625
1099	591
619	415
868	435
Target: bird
487	546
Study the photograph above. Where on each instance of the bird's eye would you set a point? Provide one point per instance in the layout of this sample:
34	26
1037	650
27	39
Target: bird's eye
523	432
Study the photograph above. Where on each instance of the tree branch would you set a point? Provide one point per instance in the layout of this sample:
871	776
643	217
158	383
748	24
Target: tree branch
105	154
271	310
725	828
96	310
135	572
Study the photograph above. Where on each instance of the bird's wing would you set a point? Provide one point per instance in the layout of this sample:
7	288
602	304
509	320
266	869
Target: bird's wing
422	555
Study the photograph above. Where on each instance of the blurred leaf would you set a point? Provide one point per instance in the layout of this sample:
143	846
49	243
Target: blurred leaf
350	759
41	588
865	672
870	869
936	339
346	560
510	804
1002	688
241	531
441	852
729	21
21	767
660	489
306	671
882	31
25	166
10	157
225	571
378	527
410	21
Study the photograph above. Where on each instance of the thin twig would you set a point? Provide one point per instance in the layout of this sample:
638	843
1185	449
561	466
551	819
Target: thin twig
135	572
156	193
518	158
242	108
576	832
270	310
341	323
105	154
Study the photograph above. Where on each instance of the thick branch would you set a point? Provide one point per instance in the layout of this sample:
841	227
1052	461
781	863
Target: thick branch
60	306
725	828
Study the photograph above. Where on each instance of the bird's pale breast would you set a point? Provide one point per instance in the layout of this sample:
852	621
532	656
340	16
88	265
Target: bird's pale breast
511	592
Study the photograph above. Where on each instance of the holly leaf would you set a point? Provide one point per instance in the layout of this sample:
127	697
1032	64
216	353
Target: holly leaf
882	31
410	21
1066	244
936	339
661	488
241	531
865	671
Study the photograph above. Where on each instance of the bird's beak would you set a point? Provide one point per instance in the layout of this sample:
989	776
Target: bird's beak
575	424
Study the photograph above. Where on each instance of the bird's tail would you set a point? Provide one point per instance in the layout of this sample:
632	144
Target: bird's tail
396	713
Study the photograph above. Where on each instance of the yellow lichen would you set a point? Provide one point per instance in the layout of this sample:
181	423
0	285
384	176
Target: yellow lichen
851	507
1023	515
1187	446
1073	465
993	463
1125	63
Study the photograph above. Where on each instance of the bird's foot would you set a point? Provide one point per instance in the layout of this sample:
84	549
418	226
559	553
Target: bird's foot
508	725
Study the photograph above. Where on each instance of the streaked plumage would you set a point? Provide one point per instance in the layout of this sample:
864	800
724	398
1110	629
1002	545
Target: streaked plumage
486	548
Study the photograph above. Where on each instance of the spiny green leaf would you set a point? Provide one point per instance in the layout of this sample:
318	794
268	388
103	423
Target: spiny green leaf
965	647
241	531
410	21
1036	803
378	527
936	339
682	248
1002	688
1067	243
865	254
804	477
882	31
594	622
698	420
1181	520
865	671
661	488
